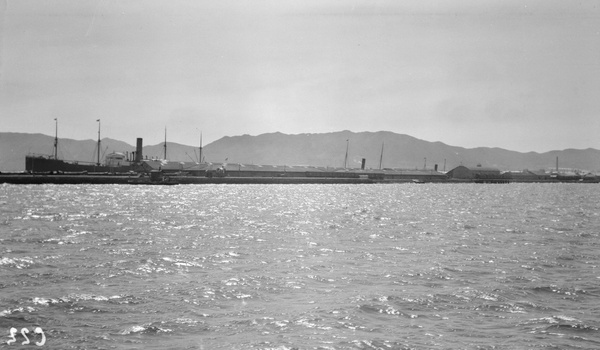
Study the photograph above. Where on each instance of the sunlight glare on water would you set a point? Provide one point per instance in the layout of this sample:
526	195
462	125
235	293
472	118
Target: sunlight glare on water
404	266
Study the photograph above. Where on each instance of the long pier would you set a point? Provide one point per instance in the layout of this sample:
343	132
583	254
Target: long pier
165	179
38	179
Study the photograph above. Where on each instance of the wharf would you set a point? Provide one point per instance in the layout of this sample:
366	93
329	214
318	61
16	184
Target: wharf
137	179
38	179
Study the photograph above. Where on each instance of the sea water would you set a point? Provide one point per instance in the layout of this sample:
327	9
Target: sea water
391	266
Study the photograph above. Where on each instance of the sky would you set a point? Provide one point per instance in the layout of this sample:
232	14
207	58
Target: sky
522	75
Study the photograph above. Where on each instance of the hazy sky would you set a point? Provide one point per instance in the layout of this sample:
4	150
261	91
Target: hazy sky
520	75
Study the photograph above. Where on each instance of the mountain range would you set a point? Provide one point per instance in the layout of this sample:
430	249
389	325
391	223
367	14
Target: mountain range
338	149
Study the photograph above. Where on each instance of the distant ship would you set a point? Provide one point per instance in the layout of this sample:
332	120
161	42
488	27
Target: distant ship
115	162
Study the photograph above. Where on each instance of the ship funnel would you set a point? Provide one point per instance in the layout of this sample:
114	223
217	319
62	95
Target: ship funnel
138	150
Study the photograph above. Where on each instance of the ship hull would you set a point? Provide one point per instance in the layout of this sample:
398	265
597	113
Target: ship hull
40	164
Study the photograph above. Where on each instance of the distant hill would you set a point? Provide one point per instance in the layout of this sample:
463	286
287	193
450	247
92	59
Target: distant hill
399	151
327	149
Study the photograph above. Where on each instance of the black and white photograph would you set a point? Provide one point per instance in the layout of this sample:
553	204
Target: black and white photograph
300	175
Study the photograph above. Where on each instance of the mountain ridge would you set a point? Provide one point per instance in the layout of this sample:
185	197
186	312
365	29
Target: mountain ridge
317	149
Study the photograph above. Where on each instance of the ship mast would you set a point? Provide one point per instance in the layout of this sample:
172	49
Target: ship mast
165	143
200	156
346	157
381	156
98	120
56	138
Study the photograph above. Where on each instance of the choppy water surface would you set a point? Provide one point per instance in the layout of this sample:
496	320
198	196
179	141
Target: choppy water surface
434	266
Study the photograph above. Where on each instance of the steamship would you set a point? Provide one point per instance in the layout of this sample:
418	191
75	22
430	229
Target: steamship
115	162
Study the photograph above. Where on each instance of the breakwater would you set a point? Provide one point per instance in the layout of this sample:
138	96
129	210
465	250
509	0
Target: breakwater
161	179
29	179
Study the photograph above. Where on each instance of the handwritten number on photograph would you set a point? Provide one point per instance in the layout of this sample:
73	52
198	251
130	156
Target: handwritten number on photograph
13	332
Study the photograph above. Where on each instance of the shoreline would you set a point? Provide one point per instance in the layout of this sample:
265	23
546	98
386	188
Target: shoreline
77	179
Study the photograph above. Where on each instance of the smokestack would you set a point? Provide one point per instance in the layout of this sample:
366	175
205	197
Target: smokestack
138	150
362	165
436	167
